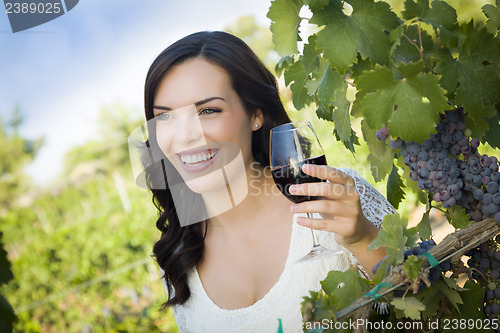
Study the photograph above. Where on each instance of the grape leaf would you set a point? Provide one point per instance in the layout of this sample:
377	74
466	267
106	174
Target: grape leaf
410	184
330	82
410	306
381	272
492	136
353	140
316	4
469	77
344	287
359	67
7	315
318	72
493	15
406	52
363	31
285	21
413	266
395	194
380	168
424	227
394	235
297	74
458	217
377	147
324	113
441	16
416	98
284	63
341	116
452	295
430	297
472	297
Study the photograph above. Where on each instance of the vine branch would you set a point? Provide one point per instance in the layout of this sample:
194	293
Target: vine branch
454	244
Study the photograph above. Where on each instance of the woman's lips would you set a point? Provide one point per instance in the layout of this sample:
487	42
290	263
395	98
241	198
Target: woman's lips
197	160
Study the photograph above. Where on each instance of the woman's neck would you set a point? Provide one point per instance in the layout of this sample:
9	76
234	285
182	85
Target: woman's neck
260	192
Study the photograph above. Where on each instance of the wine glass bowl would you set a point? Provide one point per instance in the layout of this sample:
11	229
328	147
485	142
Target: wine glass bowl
291	146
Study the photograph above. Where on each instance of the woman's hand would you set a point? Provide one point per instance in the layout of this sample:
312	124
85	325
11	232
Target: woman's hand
340	207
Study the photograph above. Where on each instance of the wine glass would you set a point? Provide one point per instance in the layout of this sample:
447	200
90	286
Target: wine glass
291	146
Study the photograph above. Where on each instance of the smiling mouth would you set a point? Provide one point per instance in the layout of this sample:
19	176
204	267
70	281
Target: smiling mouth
198	158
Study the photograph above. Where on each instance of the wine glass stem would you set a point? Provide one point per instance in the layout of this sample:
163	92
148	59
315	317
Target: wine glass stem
314	236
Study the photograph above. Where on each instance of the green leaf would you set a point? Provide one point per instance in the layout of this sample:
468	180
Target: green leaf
452	295
344	287
392	236
285	21
472	297
431	298
380	168
377	147
468	78
297	74
417	100
353	140
315	5
330	82
324	113
341	116
424	227
360	66
284	63
410	306
7	315
318	71
407	52
381	271
441	16
413	266
363	31
492	135
395	194
458	217
493	15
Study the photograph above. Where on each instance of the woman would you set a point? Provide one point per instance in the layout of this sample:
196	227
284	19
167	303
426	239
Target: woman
209	100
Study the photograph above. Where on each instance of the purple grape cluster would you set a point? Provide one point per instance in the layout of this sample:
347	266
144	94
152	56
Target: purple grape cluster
417	250
449	165
485	264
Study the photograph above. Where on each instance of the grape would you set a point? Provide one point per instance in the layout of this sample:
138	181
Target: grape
495	274
396	144
478	194
382	133
492	208
489	294
497	218
492	187
496	198
474	143
495	176
495	308
484	263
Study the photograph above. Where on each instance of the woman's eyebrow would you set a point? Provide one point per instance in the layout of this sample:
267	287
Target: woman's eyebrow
206	100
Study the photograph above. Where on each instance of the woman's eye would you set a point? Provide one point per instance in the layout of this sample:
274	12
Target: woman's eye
207	111
163	116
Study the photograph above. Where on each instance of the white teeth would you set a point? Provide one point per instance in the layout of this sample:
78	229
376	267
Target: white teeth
196	158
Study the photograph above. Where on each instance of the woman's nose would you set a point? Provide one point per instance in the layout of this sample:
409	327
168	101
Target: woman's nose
188	131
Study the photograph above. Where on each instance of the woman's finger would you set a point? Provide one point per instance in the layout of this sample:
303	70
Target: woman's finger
323	189
327	173
328	208
338	225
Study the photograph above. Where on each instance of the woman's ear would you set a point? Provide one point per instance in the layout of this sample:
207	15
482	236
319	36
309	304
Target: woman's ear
257	120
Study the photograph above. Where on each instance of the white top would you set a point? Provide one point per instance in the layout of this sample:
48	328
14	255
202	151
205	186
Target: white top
283	300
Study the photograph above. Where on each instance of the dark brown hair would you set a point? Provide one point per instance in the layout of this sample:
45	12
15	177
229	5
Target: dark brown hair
180	249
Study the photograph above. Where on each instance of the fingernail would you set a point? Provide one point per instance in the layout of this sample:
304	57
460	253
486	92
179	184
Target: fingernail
299	221
292	189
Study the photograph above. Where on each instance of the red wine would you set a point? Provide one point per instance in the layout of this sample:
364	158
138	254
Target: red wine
289	175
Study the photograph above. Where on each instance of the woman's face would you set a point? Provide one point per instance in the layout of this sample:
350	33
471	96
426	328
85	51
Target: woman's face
201	124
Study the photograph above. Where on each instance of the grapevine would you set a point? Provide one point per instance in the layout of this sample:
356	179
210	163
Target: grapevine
427	93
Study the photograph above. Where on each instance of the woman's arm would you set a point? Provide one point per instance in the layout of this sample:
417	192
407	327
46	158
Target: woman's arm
346	207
